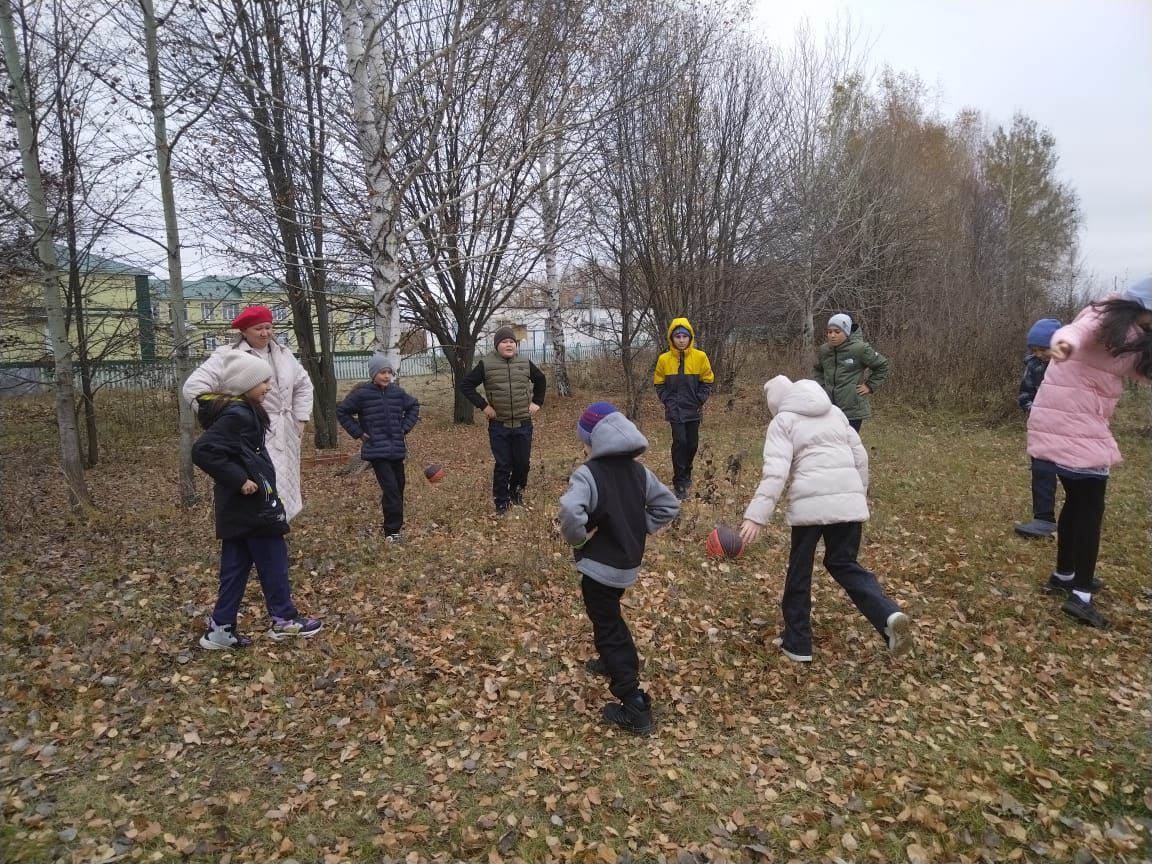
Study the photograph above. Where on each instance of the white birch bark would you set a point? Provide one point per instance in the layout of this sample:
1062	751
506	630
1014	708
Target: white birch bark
371	92
70	461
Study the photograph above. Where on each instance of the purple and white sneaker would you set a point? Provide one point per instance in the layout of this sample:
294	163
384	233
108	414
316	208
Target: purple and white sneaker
288	628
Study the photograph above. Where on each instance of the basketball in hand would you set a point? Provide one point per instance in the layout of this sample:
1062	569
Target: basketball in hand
724	542
434	473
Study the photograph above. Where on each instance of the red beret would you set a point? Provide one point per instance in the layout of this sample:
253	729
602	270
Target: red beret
252	316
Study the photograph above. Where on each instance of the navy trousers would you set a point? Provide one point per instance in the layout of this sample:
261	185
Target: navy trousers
612	637
270	555
390	476
841	547
1043	491
512	450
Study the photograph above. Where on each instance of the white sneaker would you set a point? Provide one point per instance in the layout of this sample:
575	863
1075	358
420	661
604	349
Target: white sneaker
796	658
898	629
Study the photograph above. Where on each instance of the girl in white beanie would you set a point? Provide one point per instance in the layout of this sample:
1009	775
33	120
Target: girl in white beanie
250	518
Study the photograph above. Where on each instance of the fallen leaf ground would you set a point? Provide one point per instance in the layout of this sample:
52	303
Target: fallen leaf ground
444	714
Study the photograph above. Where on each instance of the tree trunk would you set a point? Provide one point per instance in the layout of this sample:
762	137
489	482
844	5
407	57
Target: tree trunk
188	496
461	359
70	460
550	191
370	86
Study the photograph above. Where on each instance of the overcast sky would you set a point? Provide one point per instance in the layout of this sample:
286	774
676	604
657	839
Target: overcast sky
1081	68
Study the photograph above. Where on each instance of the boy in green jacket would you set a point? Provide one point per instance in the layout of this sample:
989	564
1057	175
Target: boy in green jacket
849	369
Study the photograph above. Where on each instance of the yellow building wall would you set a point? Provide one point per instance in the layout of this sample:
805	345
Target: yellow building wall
110	319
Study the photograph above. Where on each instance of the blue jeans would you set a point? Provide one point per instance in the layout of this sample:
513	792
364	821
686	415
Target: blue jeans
841	547
270	555
512	450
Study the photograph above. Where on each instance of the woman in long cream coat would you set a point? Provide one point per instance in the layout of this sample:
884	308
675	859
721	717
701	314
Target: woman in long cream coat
288	403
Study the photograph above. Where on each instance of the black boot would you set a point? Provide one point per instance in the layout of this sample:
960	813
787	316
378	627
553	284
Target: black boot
633	714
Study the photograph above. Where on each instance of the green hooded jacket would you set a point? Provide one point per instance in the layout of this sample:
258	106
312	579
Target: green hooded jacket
840	370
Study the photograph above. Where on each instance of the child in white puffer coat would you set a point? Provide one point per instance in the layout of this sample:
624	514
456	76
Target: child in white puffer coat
811	443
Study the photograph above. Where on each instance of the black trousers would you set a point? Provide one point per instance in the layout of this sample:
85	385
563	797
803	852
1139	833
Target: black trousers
512	450
841	547
857	423
685	443
612	637
390	476
1078	530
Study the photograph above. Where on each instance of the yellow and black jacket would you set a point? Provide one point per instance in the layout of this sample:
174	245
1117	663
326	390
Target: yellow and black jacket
683	379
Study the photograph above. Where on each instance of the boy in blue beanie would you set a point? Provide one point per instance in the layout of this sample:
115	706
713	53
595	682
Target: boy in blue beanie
1043	522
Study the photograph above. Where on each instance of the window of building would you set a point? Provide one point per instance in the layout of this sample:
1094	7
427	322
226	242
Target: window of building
280	312
210	343
207	312
231	310
155	311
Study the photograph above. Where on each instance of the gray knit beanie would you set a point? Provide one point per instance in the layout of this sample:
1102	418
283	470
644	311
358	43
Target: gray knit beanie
378	362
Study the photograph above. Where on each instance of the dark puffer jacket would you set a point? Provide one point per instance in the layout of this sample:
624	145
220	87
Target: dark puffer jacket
231	451
385	414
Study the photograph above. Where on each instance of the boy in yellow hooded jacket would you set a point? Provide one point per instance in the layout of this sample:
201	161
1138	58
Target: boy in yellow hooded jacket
683	382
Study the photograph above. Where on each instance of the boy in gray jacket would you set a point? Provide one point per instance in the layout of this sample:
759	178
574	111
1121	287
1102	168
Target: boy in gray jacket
611	506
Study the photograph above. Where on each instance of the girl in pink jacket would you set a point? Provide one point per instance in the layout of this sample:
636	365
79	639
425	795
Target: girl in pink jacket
811	444
1068	429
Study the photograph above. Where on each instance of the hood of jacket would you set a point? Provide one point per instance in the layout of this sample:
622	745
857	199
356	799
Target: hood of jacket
806	398
616	435
687	325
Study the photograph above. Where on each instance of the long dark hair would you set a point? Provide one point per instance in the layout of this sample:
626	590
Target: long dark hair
261	414
1117	318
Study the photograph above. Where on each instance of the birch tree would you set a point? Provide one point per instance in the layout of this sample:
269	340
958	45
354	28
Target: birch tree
19	96
390	49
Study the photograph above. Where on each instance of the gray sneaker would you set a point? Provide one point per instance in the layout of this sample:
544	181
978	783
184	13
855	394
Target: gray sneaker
1035	528
394	539
223	637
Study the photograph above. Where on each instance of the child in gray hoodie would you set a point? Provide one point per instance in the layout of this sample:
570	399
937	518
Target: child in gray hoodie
611	506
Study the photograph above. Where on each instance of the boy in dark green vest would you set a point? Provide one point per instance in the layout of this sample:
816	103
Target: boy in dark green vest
515	389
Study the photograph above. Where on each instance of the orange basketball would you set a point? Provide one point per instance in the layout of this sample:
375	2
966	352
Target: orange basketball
723	542
434	473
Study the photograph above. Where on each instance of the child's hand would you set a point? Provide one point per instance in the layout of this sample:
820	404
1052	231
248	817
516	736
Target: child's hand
863	389
1060	350
749	531
249	487
489	412
365	437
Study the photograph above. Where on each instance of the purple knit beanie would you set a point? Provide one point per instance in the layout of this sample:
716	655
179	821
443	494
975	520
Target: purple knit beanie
592	415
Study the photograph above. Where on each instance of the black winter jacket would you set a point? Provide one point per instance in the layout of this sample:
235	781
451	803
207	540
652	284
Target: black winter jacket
385	414
231	452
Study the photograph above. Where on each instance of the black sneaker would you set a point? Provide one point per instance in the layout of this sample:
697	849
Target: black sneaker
596	667
1056	585
1085	613
633	715
517	496
503	508
681	492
